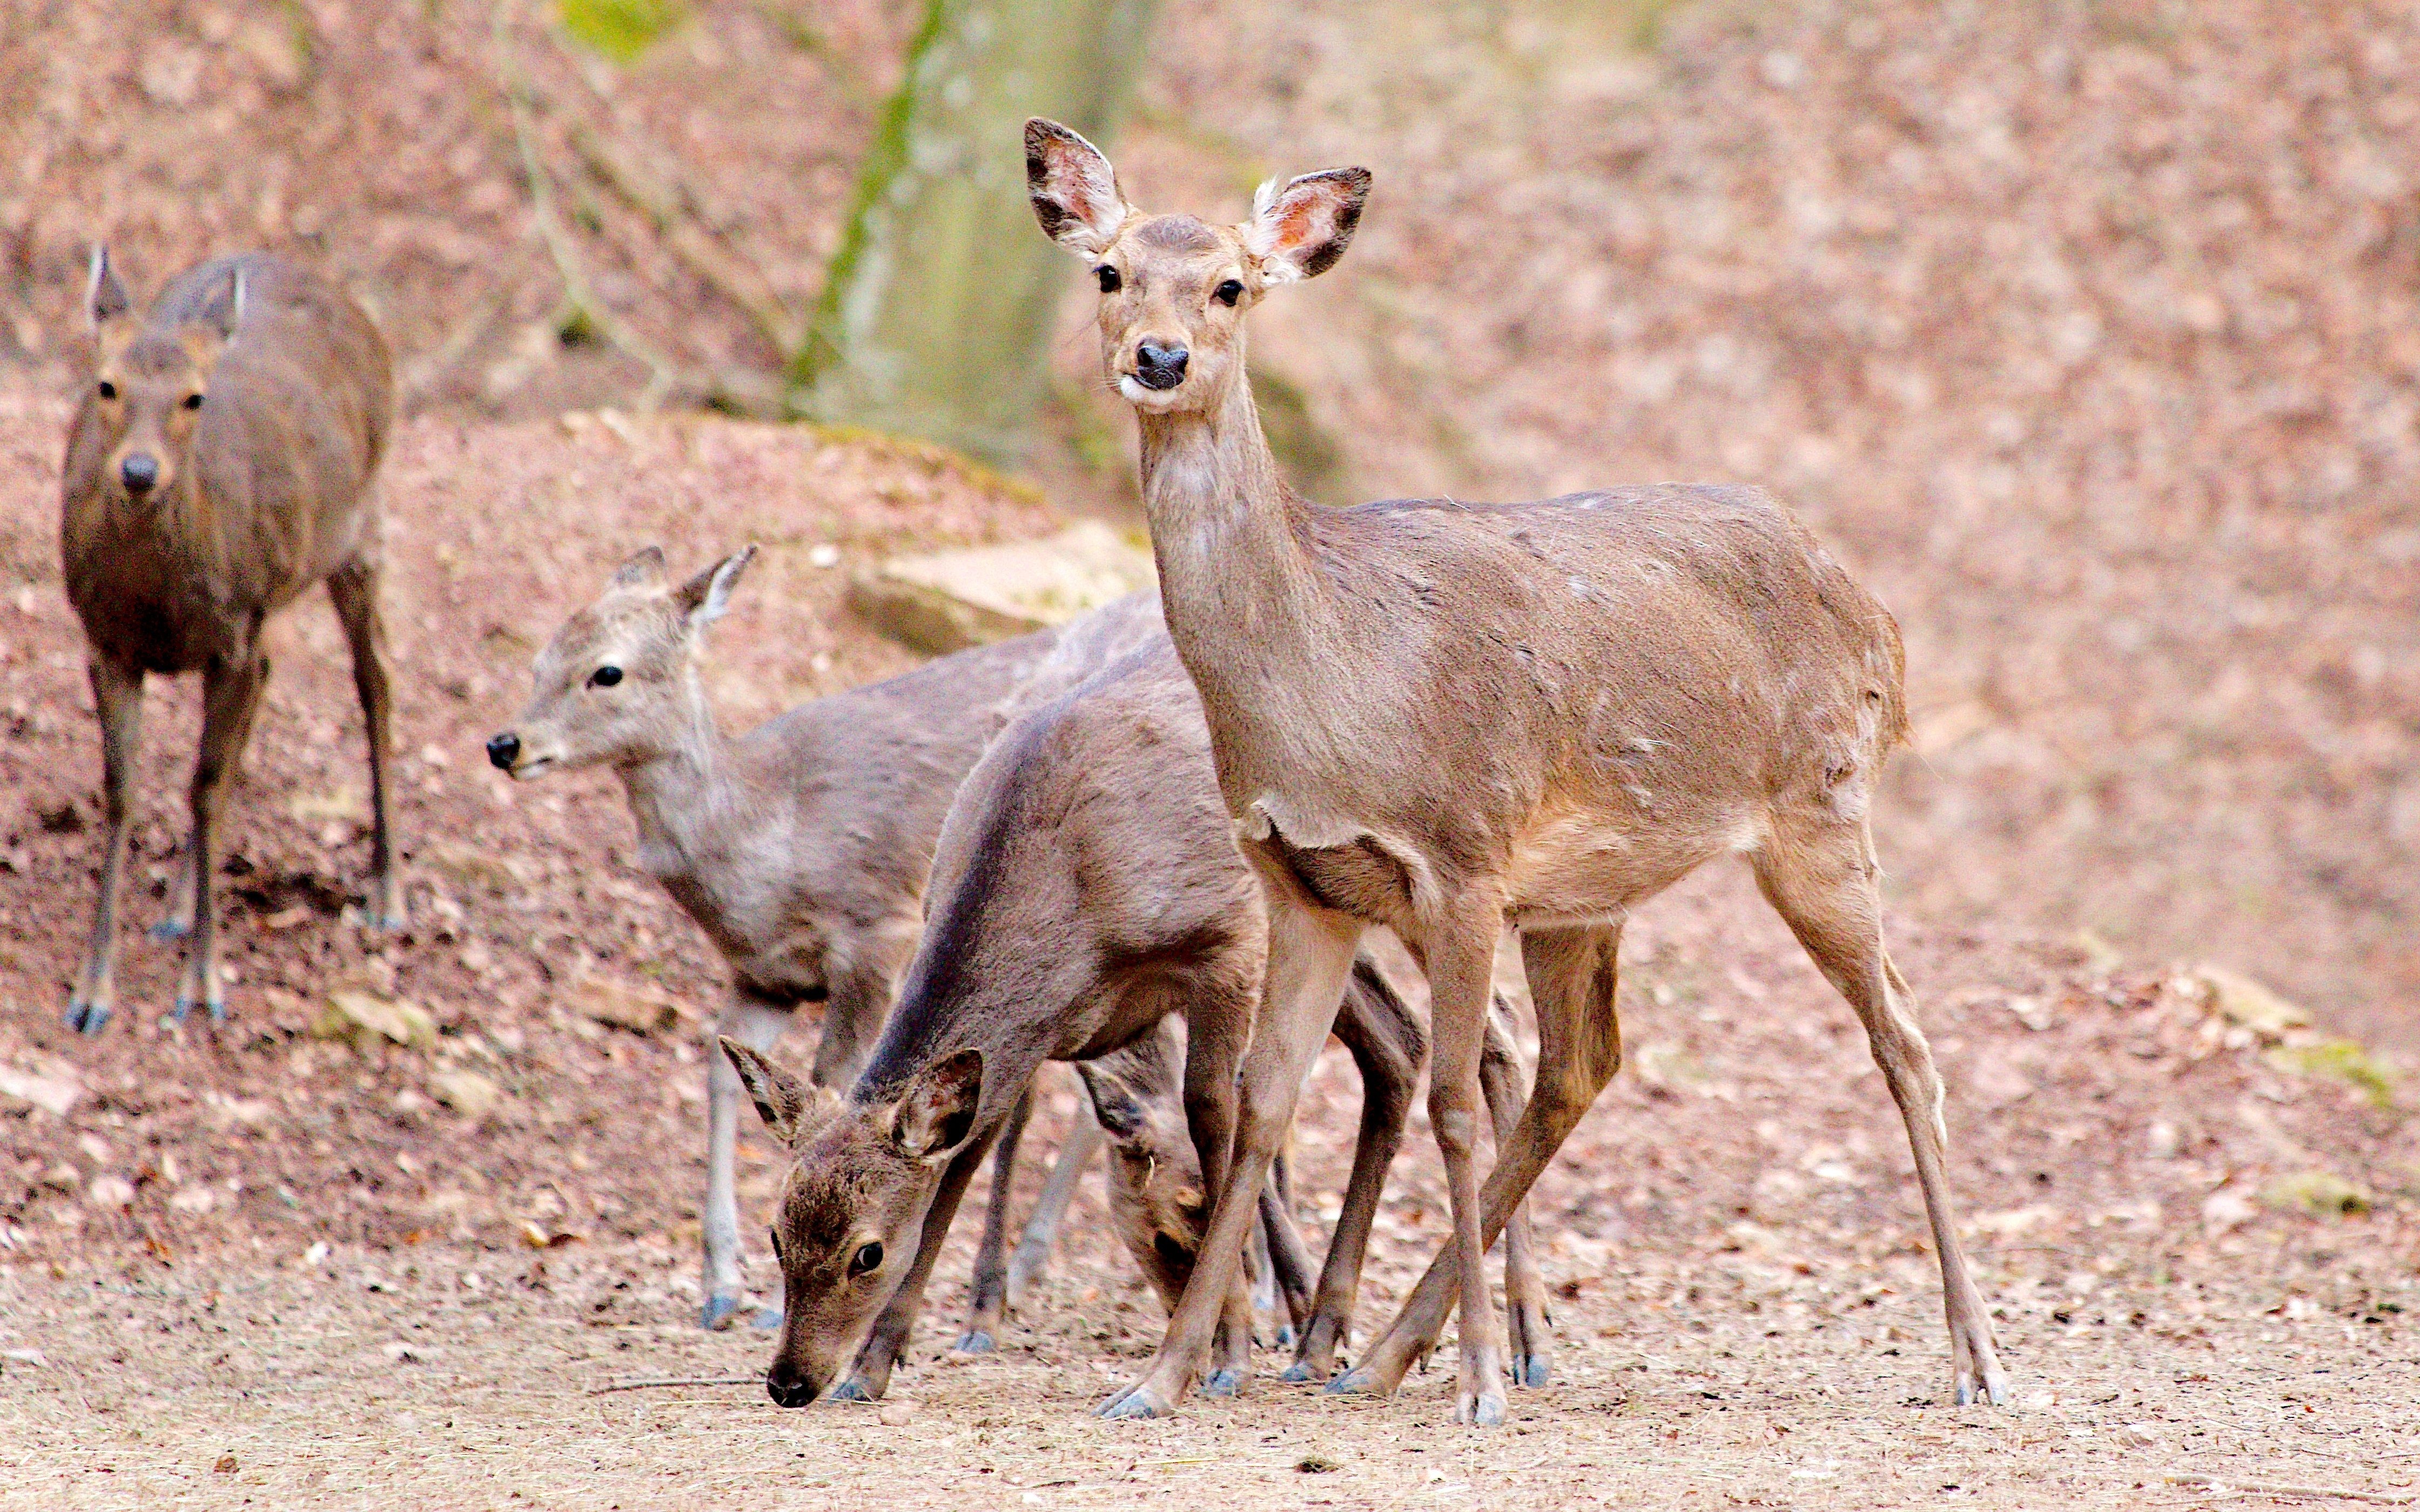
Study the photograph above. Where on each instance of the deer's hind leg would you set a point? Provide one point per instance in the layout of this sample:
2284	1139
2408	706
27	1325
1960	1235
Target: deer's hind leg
1821	878
757	1027
118	697
231	696
354	590
1030	1260
1503	1080
987	1288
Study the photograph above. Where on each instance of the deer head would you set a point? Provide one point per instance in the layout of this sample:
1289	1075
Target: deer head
618	682
149	387
852	1209
1174	288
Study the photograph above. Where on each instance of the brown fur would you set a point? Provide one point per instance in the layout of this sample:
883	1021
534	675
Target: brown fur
261	397
1446	717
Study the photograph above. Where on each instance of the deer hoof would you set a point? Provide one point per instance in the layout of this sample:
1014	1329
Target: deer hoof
1483	1410
216	1005
768	1321
852	1390
1298	1374
87	1018
1354	1381
722	1310
1286	1336
1532	1370
975	1341
168	929
1224	1382
1136	1401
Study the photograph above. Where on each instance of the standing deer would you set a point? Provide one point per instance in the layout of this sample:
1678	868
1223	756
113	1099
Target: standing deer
1086	886
1445	717
799	848
218	465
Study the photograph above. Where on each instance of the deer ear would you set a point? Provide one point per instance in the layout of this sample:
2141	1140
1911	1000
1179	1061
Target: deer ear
704	597
223	310
644	567
778	1095
1299	230
1073	188
937	1114
1114	1103
105	297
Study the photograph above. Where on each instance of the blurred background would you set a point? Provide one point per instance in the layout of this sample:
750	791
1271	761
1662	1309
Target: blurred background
2085	331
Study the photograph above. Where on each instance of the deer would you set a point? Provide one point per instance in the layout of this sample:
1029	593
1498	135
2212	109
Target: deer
218	464
1448	718
1085	887
800	848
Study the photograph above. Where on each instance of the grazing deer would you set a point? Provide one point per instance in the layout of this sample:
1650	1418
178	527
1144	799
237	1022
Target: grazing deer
1085	887
218	465
1446	717
799	848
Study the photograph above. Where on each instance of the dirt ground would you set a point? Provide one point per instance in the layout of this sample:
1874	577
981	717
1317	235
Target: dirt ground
1746	1310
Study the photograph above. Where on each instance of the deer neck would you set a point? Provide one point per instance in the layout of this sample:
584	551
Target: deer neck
687	797
1232	542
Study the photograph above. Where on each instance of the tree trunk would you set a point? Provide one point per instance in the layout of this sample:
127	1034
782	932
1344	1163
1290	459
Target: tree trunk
936	313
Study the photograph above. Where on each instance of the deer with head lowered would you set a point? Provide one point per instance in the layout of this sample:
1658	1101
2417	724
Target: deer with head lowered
1446	717
800	848
218	465
1086	887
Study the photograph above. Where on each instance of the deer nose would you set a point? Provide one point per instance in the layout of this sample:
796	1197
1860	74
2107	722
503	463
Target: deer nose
1161	367
503	751
140	470
788	1388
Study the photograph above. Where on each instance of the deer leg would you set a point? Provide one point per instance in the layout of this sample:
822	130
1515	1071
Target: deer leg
1461	961
1823	885
1031	1256
118	697
1502	1080
869	1377
1310	958
354	590
230	694
1572	976
1387	1046
759	1027
990	1283
1216	1024
1289	1260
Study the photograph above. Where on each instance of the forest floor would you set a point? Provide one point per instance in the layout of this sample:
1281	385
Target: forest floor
258	1267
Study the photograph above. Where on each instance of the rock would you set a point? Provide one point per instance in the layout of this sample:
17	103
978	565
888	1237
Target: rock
2228	1205
2162	1140
195	1199
2243	1001
2315	1192
108	1192
896	1413
952	600
2344	1060
466	1092
53	1095
640	1007
365	1017
2139	1435
2033	1012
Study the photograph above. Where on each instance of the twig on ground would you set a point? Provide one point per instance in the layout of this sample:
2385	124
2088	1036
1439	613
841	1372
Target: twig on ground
650	1382
2223	1485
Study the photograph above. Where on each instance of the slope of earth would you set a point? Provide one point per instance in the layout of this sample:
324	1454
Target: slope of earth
1746	1310
2090	332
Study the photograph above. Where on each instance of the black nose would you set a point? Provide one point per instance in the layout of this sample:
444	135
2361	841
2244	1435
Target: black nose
141	471
1161	367
787	1387
504	751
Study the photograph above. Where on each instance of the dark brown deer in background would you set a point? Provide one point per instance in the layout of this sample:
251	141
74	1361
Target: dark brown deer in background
1446	718
218	464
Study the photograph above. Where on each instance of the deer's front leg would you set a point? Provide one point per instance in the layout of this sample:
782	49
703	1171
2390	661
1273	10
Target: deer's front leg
230	694
870	1376
118	697
759	1027
354	590
1461	964
1311	952
987	1288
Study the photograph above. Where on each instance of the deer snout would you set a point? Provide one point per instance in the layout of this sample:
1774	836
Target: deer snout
503	751
140	472
788	1386
1159	367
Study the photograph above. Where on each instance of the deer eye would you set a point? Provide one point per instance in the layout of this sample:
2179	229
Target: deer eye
605	677
1228	293
108	390
866	1258
193	401
1109	277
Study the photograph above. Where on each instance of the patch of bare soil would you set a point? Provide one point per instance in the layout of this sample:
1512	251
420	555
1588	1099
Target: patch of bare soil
1746	1309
